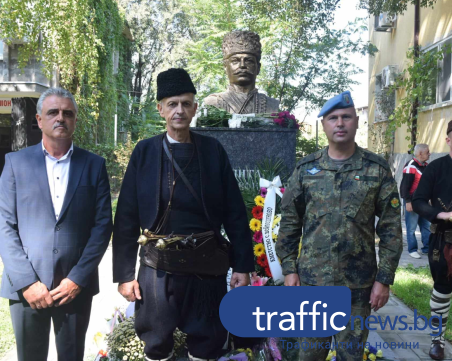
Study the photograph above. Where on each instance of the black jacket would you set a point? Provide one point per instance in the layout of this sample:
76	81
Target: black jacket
139	202
435	185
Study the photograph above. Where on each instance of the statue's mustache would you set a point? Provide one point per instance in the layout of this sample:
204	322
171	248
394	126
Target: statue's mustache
243	72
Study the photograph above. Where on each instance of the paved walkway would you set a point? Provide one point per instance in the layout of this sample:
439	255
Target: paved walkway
104	305
396	307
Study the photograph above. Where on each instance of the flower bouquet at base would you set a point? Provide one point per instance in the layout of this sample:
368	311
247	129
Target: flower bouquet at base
370	353
266	350
210	116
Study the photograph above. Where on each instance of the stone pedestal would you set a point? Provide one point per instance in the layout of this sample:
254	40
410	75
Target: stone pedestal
246	147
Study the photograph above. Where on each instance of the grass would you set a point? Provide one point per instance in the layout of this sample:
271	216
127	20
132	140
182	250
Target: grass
413	286
6	328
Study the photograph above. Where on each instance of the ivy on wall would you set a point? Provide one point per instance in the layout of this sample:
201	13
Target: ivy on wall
417	83
76	39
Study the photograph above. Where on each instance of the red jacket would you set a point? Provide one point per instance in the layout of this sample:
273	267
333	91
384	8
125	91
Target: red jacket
412	173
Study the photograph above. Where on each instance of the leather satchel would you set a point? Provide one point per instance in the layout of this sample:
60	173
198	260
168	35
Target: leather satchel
209	257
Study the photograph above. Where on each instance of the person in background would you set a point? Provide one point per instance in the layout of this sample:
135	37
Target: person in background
412	173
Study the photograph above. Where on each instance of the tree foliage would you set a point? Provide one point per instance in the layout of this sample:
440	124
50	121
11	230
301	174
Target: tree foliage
77	40
304	59
158	28
376	7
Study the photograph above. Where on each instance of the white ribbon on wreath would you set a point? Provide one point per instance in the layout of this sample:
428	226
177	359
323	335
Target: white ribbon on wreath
267	226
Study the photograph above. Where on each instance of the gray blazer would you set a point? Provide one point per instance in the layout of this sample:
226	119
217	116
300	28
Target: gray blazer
33	244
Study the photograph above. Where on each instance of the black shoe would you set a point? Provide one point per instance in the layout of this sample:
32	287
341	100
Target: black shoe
436	351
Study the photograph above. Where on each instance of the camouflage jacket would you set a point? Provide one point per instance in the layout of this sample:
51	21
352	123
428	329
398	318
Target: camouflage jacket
334	210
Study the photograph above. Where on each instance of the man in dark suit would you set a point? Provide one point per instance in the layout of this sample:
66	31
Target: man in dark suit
55	225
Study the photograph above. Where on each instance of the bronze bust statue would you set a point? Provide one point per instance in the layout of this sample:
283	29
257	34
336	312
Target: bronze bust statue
241	59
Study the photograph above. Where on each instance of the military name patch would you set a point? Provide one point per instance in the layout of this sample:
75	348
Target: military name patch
366	178
395	202
313	171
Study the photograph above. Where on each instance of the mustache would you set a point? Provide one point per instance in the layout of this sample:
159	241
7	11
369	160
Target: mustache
56	125
243	72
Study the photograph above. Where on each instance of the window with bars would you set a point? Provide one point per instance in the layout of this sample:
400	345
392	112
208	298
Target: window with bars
439	87
385	100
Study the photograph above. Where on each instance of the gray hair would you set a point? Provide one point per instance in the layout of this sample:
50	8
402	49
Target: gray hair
59	92
419	148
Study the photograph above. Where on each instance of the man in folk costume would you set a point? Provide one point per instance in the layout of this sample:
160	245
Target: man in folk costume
242	63
332	200
179	189
433	201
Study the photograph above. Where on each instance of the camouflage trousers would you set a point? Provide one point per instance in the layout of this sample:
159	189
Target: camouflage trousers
360	307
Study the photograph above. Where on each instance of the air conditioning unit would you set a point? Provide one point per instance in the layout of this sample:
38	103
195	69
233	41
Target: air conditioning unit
388	76
385	22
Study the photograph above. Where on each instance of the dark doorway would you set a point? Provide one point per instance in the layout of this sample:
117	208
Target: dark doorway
5	138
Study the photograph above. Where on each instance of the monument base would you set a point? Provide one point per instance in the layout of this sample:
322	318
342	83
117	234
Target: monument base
247	147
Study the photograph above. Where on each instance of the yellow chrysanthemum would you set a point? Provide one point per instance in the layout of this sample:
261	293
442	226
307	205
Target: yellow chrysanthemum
274	236
276	221
372	357
259	249
249	353
255	225
259	201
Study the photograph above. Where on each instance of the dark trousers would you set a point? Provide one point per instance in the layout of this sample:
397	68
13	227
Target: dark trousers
360	307
32	329
442	283
185	302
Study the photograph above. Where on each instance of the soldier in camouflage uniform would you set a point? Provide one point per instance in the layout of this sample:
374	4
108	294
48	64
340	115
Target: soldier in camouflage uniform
332	199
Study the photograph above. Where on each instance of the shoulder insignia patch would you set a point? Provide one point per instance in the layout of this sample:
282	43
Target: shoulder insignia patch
376	159
313	171
395	203
309	158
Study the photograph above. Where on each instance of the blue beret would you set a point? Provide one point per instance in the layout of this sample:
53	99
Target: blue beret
341	101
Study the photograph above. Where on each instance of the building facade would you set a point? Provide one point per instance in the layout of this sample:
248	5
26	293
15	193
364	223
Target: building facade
19	92
394	38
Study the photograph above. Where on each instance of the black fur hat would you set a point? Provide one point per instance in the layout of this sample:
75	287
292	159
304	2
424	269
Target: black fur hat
173	82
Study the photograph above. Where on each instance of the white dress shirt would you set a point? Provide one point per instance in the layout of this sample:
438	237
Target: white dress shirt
171	140
58	177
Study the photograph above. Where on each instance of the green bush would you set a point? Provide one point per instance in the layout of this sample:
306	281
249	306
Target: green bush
116	159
